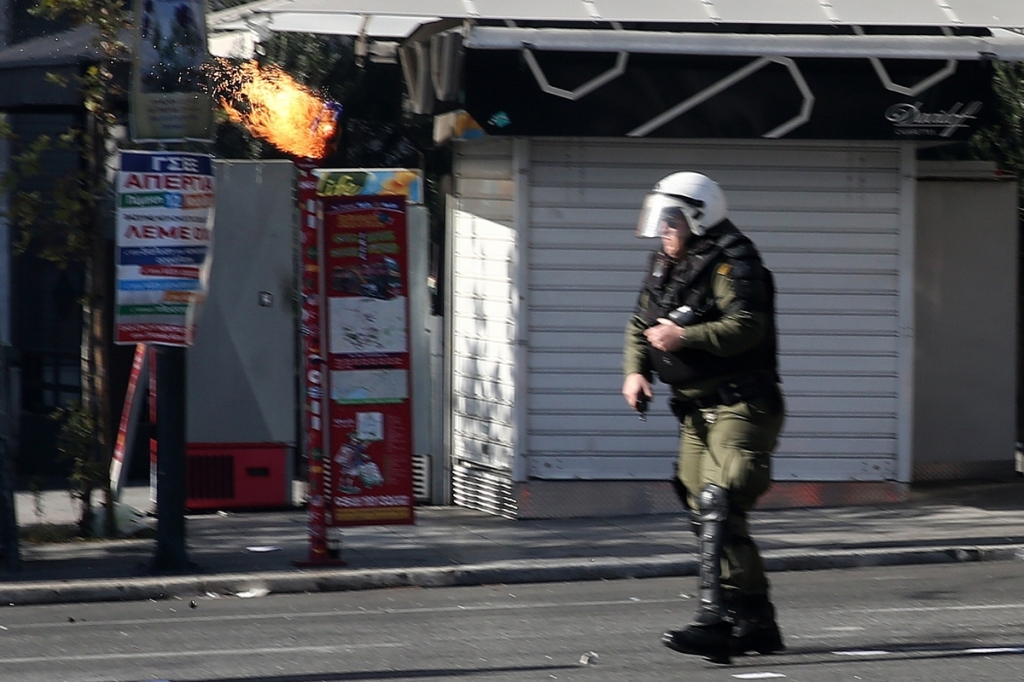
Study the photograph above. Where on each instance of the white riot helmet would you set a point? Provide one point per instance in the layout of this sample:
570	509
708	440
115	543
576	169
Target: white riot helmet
690	196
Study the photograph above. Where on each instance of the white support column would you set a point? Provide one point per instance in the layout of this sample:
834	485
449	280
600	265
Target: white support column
907	277
448	347
520	307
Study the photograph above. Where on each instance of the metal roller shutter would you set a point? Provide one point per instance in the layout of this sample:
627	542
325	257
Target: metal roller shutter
826	218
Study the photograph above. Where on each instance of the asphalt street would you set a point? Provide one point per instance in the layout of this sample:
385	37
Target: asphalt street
911	623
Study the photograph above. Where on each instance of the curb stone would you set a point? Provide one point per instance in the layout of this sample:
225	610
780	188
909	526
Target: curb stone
520	571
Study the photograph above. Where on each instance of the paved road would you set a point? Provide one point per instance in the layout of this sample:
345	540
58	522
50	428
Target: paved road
915	623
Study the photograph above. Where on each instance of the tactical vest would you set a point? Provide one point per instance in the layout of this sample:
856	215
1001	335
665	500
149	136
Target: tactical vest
672	285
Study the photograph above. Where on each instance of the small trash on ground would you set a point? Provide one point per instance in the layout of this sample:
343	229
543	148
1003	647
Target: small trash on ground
261	549
253	592
588	658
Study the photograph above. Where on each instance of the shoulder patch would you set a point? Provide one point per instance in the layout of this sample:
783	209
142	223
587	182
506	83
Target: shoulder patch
724	269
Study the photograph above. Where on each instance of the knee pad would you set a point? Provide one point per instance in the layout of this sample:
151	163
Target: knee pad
714	503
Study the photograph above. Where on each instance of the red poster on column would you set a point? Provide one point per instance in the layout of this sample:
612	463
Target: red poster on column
368	349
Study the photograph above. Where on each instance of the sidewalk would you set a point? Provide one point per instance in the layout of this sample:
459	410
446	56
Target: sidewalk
254	552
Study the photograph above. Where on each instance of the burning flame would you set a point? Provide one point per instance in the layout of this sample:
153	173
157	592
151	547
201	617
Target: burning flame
276	108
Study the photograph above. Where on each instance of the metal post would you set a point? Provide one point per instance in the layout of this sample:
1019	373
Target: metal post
170	434
9	544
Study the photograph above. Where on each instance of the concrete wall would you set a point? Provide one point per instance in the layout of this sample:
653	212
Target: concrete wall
965	376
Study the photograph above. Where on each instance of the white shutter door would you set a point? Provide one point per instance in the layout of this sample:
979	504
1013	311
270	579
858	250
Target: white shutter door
825	217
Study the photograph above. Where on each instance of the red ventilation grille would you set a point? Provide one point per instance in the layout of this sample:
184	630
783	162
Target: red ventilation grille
210	477
236	476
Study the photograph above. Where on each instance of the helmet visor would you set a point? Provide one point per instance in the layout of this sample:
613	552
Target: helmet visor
660	213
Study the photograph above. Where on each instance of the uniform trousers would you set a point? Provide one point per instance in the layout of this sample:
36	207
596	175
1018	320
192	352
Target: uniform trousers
730	446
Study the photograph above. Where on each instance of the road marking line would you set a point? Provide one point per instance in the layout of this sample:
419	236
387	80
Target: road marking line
947	652
192	654
378	611
862	652
920	609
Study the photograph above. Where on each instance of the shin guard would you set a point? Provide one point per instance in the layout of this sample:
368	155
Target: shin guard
714	509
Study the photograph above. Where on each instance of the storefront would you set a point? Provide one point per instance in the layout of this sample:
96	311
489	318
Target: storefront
815	124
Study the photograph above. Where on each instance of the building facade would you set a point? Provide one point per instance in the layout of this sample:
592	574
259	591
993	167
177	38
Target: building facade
867	246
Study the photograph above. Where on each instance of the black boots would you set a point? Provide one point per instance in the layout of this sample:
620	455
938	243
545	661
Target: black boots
727	622
754	626
709	636
752	629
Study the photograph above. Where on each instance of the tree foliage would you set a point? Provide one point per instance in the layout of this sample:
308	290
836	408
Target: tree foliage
51	212
74	444
1003	141
64	217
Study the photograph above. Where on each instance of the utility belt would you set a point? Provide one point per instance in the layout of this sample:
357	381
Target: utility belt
739	389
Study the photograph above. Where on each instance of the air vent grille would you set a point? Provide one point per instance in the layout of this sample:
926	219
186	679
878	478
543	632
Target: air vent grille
484	489
421	478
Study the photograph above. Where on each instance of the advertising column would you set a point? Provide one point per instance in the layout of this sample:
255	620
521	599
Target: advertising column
318	507
368	355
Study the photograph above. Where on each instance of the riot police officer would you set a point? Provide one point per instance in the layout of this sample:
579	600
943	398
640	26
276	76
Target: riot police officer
704	324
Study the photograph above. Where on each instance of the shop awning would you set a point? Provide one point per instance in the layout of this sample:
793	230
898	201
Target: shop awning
945	29
1002	44
954	13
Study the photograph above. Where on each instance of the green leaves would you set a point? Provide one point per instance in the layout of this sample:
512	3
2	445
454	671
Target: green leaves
57	79
57	212
75	442
1003	141
53	214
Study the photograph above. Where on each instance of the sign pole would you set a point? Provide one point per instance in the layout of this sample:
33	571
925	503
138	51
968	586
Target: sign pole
9	542
170	555
165	217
